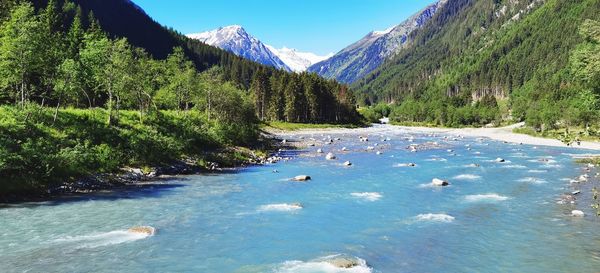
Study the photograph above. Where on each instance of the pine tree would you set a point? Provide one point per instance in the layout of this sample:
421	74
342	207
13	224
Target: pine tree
75	35
261	90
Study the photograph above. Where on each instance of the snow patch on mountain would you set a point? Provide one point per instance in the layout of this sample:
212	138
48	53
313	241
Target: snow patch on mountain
296	60
236	40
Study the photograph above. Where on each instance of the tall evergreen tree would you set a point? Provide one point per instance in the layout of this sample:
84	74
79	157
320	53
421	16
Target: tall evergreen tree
261	89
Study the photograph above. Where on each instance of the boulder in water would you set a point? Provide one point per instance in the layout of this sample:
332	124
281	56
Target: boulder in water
439	183
148	230
577	213
347	163
330	156
583	178
319	151
344	262
301	178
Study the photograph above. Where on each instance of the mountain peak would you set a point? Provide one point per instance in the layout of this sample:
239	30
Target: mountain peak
236	40
232	28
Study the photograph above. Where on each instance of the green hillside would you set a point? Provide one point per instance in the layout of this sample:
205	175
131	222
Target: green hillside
474	53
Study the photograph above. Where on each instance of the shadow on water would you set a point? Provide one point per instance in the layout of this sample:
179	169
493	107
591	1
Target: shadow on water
158	188
146	190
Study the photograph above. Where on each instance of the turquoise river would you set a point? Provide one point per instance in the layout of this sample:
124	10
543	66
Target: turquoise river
381	211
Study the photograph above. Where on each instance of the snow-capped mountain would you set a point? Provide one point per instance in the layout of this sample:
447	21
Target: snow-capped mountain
362	57
296	60
235	39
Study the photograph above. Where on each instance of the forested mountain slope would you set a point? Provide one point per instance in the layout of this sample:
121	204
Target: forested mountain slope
472	49
124	19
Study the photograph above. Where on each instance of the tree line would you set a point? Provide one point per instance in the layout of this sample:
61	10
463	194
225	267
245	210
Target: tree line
60	57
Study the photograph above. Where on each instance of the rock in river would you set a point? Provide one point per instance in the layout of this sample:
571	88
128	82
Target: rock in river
143	230
577	213
439	183
344	262
301	178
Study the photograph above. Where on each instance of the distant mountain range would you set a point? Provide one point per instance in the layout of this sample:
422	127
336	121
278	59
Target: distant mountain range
349	65
364	56
235	39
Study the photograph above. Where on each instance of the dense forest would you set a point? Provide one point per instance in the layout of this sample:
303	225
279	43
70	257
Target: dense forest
76	100
477	62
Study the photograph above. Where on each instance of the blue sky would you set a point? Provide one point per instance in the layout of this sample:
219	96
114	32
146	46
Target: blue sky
319	26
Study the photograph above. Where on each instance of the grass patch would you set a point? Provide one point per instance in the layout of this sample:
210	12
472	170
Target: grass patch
591	160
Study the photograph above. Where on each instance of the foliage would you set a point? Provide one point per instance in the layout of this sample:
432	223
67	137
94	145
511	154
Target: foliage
543	56
37	152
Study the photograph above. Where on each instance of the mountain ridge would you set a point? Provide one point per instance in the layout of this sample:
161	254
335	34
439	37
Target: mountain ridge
360	58
237	40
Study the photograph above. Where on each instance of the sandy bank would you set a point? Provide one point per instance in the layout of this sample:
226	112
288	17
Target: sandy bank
501	134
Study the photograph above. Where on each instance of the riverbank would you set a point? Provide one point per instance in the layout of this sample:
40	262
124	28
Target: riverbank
42	156
128	178
504	134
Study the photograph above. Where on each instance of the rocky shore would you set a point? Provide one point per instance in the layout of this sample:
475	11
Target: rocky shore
131	178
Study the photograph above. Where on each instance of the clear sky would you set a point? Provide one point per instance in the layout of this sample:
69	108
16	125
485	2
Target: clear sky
318	26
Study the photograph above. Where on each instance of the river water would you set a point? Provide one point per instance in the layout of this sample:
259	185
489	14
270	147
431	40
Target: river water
494	217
